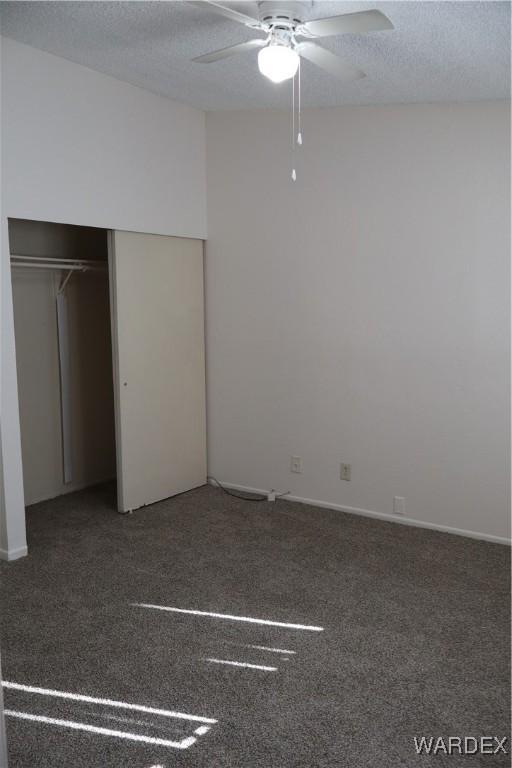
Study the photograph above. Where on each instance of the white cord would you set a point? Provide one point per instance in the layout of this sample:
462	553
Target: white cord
299	134
294	173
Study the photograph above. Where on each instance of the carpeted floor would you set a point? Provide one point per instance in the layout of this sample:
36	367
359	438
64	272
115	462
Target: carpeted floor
415	637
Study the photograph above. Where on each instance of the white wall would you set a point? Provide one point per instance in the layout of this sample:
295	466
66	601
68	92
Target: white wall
82	148
361	315
12	519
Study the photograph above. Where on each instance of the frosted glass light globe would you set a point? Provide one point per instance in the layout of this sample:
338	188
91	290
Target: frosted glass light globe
278	62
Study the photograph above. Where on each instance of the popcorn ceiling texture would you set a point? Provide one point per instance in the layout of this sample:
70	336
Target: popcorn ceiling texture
439	51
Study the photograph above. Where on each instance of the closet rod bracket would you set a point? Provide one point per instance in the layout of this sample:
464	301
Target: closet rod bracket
64	282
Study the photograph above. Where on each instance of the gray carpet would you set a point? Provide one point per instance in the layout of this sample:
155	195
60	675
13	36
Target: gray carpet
415	641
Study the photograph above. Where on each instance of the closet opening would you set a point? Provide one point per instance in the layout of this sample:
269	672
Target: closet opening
62	324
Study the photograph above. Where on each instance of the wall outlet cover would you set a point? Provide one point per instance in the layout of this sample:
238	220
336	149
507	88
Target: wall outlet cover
345	471
398	505
296	464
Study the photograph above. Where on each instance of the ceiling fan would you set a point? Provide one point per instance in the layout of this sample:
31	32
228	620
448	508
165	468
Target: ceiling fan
282	24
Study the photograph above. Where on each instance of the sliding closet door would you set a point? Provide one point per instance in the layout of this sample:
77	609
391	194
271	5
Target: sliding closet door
159	369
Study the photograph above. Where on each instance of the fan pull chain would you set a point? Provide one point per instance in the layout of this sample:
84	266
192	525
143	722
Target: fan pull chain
299	135
294	172
296	120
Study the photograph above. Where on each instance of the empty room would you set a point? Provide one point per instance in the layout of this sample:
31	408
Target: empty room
255	384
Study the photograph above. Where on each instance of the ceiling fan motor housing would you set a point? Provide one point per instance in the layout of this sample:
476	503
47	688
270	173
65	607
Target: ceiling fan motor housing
282	15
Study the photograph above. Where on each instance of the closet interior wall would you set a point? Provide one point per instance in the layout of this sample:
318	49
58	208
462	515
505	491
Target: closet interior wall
92	434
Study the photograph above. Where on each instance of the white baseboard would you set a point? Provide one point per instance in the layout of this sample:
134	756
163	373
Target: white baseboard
378	515
13	554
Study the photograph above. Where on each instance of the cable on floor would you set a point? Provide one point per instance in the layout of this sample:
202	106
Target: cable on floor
256	497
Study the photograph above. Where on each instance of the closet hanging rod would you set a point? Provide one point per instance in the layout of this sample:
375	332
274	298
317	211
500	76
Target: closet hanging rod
44	265
56	259
52	262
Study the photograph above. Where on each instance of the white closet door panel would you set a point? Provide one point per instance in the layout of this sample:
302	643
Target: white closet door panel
159	365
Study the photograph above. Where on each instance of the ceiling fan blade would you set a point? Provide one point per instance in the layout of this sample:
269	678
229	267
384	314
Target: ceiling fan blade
329	62
348	23
229	13
232	50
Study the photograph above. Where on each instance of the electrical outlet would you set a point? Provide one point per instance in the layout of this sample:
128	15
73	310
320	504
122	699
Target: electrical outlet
296	464
398	505
345	471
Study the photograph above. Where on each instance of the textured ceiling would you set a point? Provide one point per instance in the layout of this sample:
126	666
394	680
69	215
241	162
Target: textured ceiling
439	51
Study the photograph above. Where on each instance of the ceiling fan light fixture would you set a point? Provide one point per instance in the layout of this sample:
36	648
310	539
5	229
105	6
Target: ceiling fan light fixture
278	62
